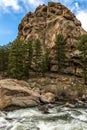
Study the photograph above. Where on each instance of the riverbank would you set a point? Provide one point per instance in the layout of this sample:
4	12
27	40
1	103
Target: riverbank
52	88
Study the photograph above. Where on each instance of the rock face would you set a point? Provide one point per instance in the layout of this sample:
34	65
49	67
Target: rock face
49	20
16	94
45	23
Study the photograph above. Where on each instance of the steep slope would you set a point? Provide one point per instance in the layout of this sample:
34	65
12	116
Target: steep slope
49	20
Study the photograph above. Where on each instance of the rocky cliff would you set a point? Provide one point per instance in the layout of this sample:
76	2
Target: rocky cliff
49	20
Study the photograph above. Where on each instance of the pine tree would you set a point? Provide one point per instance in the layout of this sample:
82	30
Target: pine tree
16	59
60	51
4	52
2	60
45	62
30	53
28	58
83	57
43	66
37	55
47	59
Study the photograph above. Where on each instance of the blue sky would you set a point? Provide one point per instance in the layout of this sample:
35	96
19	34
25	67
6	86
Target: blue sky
12	11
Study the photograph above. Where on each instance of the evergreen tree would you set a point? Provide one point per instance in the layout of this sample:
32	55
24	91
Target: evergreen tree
2	66
4	52
16	59
83	57
45	62
37	55
43	66
47	59
28	58
60	51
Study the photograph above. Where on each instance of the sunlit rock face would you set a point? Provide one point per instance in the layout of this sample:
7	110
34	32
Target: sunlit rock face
49	20
46	22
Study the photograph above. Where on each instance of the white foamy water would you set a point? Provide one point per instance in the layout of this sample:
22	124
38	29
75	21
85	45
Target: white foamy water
33	119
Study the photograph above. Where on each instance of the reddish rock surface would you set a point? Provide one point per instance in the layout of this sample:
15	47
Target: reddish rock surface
51	19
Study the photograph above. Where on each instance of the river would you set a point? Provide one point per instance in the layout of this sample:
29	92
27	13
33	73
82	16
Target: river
59	118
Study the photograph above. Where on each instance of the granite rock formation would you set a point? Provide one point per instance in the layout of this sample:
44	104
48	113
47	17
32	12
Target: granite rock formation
46	22
50	20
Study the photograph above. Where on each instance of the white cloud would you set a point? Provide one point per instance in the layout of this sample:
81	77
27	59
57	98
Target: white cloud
31	3
82	16
34	2
68	1
9	5
77	5
63	1
6	4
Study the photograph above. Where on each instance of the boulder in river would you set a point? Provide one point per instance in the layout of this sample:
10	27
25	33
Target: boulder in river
48	97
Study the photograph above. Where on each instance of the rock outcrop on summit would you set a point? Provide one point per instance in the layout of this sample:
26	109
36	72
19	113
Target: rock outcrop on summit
49	20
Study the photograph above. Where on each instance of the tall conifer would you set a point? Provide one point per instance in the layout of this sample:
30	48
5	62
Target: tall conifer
83	57
37	55
60	51
16	59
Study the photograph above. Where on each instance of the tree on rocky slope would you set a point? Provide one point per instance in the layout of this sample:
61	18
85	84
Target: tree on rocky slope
45	62
37	55
4	52
60	51
83	57
16	59
28	58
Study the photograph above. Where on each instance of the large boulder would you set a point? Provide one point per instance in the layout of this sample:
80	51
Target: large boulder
16	94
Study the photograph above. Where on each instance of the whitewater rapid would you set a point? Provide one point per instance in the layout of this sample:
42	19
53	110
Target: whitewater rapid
59	118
